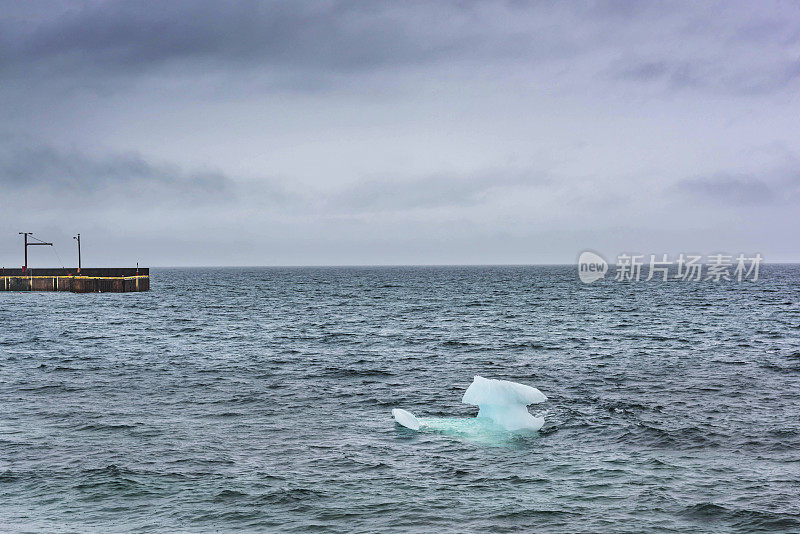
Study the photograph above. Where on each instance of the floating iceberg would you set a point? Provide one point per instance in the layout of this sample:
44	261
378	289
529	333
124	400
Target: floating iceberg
505	403
501	404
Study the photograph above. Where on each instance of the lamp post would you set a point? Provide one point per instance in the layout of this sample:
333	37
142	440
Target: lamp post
78	238
26	234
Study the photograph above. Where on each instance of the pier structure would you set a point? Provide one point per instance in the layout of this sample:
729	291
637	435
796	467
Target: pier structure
89	280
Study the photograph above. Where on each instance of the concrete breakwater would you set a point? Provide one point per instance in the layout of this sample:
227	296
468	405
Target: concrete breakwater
89	280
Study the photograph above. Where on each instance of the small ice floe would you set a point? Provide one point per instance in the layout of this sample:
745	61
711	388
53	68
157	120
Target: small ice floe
502	407
405	418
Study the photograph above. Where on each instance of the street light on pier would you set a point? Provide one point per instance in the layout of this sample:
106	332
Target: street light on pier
39	242
78	238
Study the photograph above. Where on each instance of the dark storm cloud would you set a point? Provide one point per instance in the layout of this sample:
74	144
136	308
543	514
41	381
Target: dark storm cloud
98	40
71	174
135	35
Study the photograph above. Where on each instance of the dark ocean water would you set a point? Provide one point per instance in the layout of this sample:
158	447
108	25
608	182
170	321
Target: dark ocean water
260	399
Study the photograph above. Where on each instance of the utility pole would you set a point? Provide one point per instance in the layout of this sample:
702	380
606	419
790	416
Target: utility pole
26	234
78	237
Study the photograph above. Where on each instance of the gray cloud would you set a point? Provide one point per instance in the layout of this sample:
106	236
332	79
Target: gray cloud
711	75
433	191
128	177
674	73
717	48
728	189
330	35
448	131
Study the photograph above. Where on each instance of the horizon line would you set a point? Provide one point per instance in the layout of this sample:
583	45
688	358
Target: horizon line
360	265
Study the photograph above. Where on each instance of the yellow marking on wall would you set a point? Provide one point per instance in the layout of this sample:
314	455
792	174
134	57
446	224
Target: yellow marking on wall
81	277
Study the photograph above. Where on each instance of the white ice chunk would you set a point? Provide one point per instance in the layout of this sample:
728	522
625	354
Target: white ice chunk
405	418
504	402
500	392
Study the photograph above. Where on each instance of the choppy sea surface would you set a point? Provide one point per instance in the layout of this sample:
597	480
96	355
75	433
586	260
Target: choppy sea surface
260	399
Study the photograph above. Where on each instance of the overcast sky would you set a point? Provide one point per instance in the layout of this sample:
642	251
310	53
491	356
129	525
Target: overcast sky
325	133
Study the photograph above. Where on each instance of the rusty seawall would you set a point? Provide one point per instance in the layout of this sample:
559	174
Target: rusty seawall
89	280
